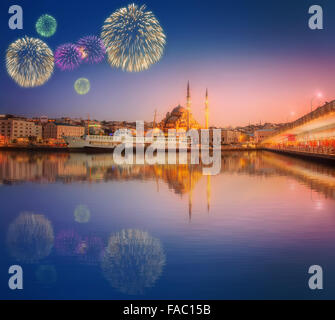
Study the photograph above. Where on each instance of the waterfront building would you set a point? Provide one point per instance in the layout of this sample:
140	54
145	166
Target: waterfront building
44	120
230	136
93	127
260	135
14	128
56	130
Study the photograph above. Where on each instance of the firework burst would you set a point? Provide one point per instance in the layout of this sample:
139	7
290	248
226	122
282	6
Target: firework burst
92	48
29	61
133	38
68	56
133	261
82	86
46	25
30	237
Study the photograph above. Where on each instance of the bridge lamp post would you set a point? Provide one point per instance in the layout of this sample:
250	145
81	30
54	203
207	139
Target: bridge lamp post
318	95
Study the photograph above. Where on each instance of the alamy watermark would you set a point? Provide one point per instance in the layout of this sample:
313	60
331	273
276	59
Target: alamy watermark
16	20
177	147
15	281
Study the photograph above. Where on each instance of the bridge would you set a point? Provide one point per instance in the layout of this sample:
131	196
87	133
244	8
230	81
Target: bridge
312	135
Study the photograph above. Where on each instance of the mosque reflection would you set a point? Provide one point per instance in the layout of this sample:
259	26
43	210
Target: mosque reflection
133	261
18	167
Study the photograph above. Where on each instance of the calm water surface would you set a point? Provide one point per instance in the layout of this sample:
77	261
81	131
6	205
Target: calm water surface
83	227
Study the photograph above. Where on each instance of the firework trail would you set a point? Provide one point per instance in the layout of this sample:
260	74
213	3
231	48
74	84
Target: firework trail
92	48
68	56
133	38
29	61
46	25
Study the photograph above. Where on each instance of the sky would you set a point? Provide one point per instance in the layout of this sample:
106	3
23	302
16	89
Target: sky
258	59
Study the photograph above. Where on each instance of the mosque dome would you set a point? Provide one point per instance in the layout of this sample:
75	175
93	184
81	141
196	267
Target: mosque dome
178	110
180	117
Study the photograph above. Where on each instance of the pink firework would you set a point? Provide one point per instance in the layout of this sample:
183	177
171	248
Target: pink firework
90	250
67	242
68	56
92	48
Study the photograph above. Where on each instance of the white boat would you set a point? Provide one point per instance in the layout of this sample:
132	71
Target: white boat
91	141
110	142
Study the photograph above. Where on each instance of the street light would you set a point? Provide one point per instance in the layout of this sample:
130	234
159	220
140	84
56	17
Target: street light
318	95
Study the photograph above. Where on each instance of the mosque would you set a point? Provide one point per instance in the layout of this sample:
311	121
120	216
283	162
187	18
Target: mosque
181	118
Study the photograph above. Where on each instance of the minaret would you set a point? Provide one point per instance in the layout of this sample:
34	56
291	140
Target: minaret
190	194
154	123
208	189
206	109
188	105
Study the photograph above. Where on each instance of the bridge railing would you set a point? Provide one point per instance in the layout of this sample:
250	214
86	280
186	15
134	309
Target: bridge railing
325	150
328	107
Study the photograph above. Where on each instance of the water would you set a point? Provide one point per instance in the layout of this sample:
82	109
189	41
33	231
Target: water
82	227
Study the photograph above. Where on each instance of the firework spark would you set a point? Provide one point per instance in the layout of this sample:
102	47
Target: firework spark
68	56
30	237
133	38
67	242
133	261
46	25
82	86
92	48
82	214
29	61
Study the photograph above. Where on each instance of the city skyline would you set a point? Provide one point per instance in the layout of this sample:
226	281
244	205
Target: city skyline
253	74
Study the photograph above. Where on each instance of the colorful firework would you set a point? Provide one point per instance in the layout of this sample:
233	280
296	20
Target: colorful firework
133	38
67	242
90	250
82	214
82	86
46	25
92	48
30	237
133	261
29	62
68	56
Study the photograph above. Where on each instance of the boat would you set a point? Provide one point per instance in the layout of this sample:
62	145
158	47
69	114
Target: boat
103	142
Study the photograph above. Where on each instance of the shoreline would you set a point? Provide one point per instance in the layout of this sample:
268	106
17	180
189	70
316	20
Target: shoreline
97	150
321	158
315	157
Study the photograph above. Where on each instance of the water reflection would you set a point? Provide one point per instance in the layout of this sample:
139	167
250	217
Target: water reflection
133	261
30	237
262	205
67	243
82	214
90	250
18	167
46	275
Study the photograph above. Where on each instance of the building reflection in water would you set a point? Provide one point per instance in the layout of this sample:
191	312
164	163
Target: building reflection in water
30	237
17	167
133	261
